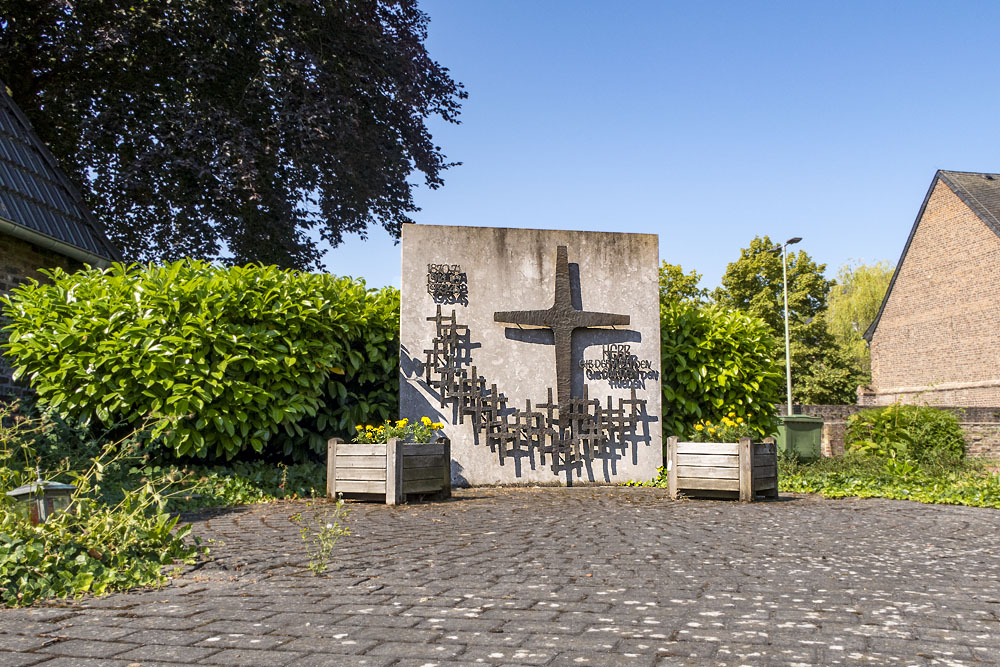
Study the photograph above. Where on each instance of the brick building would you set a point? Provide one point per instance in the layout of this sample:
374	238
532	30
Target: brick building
43	220
936	338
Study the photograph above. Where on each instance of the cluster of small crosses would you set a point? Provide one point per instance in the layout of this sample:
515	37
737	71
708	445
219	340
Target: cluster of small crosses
585	430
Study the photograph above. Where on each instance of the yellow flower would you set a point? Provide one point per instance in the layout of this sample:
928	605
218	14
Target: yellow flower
699	427
401	423
739	420
359	427
437	426
426	421
369	428
732	414
711	431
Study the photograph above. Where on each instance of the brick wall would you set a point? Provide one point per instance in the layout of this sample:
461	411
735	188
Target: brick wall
937	341
981	426
19	261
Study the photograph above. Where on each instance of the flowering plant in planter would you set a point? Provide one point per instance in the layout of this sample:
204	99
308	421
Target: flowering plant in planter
731	429
418	433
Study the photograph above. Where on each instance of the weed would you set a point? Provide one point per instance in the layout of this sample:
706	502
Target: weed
320	532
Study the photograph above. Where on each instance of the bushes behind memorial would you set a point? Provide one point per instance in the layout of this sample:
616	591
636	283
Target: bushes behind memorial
714	362
915	432
216	359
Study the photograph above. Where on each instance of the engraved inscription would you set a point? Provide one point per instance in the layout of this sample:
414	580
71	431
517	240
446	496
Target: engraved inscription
620	367
447	283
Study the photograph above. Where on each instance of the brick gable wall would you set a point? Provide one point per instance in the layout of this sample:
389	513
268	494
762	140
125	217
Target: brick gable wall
19	261
938	340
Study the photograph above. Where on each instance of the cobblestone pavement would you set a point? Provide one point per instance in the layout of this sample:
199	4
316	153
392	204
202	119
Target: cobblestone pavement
547	576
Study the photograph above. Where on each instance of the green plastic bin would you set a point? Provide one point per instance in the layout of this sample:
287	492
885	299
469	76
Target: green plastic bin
801	436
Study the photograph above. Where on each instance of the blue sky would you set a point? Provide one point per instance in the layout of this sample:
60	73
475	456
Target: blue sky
706	123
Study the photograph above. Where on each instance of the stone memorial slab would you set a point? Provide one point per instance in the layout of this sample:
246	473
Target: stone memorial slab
538	349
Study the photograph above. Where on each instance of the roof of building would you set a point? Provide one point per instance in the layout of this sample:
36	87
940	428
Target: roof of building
37	198
979	191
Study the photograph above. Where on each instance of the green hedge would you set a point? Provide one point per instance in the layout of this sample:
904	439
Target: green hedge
716	362
216	359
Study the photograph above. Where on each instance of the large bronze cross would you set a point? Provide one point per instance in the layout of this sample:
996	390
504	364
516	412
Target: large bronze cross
562	318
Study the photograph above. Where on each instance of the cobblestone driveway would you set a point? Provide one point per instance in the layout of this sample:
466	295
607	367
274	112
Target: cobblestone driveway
590	576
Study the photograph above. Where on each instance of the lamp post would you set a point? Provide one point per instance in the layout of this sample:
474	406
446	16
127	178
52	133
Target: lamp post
788	354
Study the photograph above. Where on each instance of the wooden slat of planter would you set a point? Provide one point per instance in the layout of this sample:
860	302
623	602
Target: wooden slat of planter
434	461
764	483
362	474
331	467
746	470
413	474
671	463
770	470
764	449
707	448
360	450
422	486
715	473
696	483
348	462
713	493
427	449
713	460
360	486
445	467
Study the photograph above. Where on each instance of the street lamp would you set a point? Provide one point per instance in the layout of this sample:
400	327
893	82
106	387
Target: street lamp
784	277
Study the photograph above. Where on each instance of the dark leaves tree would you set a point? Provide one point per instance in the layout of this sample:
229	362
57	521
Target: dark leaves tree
233	129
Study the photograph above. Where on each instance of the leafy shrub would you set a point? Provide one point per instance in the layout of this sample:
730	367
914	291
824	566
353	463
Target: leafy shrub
218	359
93	547
714	362
914	432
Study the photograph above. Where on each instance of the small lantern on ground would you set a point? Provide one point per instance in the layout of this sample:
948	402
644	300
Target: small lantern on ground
40	499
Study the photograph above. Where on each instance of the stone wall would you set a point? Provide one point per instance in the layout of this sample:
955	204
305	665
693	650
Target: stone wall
479	354
19	261
937	341
980	424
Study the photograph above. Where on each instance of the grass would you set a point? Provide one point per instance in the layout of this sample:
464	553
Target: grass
972	482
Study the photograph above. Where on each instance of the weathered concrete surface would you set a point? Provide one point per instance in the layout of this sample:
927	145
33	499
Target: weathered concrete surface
514	269
505	576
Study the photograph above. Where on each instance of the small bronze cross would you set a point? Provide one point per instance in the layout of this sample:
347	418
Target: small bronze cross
563	319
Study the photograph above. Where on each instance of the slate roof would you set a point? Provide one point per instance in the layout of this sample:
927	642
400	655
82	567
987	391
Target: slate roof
979	191
36	195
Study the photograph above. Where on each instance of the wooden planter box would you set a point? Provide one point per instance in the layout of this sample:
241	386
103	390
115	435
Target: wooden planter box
726	469
391	470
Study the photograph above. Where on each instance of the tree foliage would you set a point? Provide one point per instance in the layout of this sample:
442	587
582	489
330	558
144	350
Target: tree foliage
753	284
715	362
217	359
232	129
675	285
854	304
